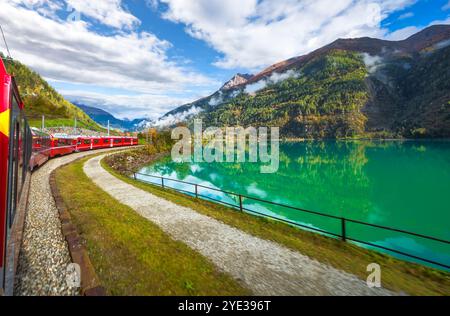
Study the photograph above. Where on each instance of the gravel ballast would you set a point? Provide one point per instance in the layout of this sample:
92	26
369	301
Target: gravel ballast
263	266
44	255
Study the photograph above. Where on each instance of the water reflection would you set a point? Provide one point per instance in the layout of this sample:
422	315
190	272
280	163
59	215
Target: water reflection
396	184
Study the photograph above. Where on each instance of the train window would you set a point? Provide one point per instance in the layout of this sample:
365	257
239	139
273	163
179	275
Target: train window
117	141
25	141
96	141
19	157
19	148
87	141
14	172
106	141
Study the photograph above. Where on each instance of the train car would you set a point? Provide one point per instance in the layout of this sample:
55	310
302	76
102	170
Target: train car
117	142
130	141
41	148
62	145
15	153
99	143
23	149
84	143
107	142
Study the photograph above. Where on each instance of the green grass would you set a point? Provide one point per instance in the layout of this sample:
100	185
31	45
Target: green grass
131	255
397	275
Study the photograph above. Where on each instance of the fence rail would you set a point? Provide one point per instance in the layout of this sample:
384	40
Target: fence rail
344	236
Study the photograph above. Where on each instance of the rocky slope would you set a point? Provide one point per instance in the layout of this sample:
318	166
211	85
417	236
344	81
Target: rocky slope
237	80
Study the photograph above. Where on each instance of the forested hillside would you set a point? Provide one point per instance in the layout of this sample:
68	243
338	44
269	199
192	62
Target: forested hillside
41	99
351	88
323	99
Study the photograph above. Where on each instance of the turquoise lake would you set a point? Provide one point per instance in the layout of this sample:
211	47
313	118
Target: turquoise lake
399	184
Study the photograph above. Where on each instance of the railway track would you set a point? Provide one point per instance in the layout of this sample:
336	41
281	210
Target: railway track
44	257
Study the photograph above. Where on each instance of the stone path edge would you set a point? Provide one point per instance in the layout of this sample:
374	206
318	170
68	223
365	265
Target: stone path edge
90	283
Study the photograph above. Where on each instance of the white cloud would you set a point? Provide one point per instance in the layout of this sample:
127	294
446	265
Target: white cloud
171	120
403	33
107	12
273	79
442	44
372	62
70	52
253	34
406	32
447	6
45	7
406	15
216	100
255	87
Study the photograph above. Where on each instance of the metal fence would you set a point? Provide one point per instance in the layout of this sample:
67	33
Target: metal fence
343	235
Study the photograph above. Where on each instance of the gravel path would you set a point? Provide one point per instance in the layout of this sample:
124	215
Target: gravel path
44	255
265	267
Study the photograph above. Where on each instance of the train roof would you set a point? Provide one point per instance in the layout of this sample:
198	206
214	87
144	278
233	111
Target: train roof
64	136
37	132
113	137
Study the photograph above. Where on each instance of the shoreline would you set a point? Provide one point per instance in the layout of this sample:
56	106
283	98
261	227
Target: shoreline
304	140
281	231
139	158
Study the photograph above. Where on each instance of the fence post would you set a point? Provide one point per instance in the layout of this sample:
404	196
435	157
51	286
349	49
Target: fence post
162	182
196	191
344	230
240	203
134	175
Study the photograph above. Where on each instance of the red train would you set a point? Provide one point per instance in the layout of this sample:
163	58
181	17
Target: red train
89	143
23	149
41	147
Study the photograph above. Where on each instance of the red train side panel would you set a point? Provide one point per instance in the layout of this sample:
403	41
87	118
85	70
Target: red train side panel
62	145
5	117
83	143
41	149
15	154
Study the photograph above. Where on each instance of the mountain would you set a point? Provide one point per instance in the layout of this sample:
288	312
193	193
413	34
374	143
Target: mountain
361	87
41	99
102	117
237	80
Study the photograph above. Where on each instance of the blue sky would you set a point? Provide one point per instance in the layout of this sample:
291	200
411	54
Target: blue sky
139	58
